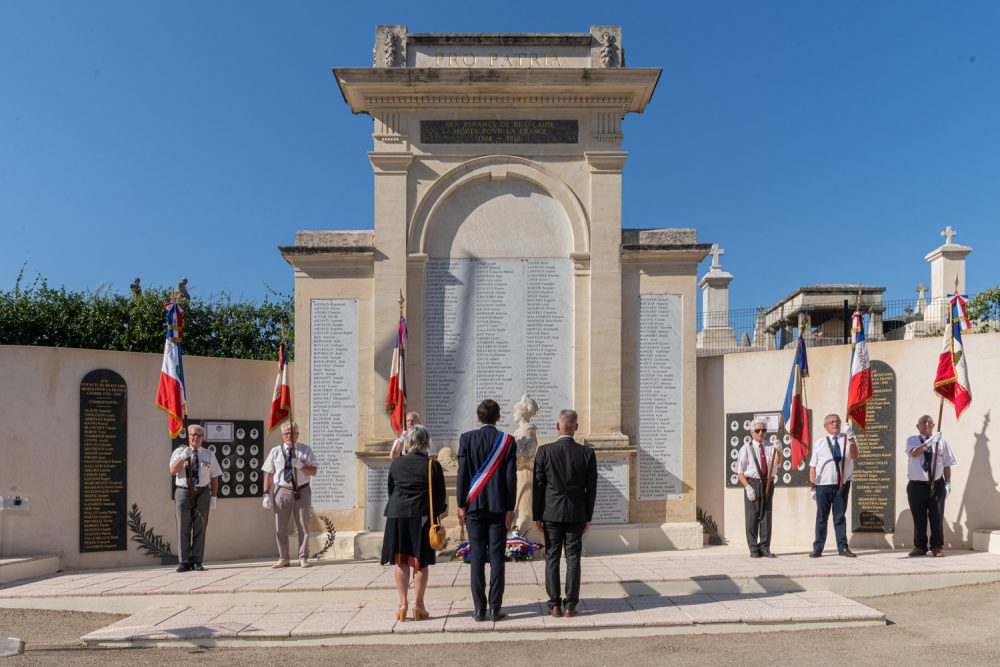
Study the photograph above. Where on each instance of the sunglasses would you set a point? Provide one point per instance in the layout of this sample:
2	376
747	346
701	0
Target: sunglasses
760	430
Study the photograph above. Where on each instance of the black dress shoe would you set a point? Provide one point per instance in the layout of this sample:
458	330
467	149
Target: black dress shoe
480	615
183	567
497	615
766	553
198	567
815	554
847	553
754	554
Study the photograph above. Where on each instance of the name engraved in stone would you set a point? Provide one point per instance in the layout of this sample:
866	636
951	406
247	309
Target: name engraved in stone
873	486
496	329
611	505
103	461
376	495
333	402
499	131
660	426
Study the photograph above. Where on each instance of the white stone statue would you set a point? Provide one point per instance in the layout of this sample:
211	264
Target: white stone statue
526	442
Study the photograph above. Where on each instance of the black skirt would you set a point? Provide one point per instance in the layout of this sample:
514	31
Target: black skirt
409	538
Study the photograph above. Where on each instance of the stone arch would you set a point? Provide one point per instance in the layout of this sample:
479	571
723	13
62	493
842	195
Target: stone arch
498	168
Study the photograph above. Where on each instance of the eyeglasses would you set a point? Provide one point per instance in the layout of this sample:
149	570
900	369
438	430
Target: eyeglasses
760	430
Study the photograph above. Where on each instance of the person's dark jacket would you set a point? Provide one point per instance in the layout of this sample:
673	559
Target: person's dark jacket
564	488
500	493
408	487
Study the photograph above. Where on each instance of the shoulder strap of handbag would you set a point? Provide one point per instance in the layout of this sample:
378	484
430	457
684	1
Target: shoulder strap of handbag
430	490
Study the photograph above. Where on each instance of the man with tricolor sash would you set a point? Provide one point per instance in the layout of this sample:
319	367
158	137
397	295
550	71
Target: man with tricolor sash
486	490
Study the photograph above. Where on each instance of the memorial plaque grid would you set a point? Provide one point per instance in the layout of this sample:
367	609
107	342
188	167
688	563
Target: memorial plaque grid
611	504
333	402
660	420
103	462
738	433
239	447
873	485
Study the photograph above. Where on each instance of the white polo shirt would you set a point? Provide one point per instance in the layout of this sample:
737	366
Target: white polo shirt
915	466
822	459
749	458
208	467
275	464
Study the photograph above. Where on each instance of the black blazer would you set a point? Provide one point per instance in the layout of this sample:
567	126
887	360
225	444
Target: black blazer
500	493
565	482
408	487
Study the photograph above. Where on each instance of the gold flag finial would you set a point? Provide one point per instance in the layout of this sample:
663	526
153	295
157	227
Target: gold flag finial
401	301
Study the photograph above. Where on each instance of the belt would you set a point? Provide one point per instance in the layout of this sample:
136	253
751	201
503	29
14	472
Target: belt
196	489
288	488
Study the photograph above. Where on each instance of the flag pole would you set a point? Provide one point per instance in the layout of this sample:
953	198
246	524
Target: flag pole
934	453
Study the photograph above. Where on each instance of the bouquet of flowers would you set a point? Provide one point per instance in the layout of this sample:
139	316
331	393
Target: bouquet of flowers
518	548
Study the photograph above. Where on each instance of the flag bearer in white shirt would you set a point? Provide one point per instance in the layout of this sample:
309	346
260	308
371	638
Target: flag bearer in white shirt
756	466
830	470
926	500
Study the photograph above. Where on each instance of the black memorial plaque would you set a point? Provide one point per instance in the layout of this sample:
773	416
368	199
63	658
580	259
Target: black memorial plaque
873	489
103	461
239	447
738	432
499	131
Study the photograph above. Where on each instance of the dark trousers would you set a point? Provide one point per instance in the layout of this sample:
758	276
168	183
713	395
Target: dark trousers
487	539
758	518
558	535
830	497
192	523
924	507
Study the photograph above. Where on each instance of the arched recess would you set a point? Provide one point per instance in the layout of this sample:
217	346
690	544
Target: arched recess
498	168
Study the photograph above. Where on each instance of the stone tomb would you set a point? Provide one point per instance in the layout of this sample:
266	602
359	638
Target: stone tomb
497	165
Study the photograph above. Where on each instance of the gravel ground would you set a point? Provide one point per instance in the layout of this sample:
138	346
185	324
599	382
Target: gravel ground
942	627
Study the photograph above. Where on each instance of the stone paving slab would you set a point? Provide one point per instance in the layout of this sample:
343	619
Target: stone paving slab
647	568
378	618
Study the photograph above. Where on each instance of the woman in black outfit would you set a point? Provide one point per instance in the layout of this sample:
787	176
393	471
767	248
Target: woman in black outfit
406	542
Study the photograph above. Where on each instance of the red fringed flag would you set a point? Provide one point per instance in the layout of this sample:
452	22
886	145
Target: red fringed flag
860	388
795	413
281	401
952	380
170	393
395	401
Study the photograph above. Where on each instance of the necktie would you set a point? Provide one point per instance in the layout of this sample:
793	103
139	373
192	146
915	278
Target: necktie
288	465
837	457
194	467
927	458
763	462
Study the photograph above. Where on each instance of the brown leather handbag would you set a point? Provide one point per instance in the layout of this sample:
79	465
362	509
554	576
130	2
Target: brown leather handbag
438	536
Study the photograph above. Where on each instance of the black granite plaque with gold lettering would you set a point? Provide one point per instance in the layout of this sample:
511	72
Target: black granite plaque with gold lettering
873	490
103	461
499	131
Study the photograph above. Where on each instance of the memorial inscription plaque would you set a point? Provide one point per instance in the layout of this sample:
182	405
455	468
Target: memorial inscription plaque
611	504
499	131
103	461
376	495
239	448
660	444
333	402
738	432
497	328
873	489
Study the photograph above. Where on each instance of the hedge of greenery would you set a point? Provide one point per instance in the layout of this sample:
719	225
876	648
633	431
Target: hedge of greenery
217	326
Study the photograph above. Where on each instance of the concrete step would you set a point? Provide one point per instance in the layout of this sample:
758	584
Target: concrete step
15	568
987	540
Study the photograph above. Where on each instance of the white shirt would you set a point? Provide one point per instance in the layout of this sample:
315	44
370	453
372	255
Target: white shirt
749	459
208	466
275	464
915	466
822	459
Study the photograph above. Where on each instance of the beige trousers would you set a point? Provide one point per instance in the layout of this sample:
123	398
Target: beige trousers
285	507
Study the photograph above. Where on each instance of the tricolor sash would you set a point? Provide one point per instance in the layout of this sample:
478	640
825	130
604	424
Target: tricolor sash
482	476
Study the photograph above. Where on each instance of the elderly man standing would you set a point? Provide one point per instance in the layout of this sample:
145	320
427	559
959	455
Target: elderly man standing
756	465
830	470
563	496
196	477
287	471
412	419
926	498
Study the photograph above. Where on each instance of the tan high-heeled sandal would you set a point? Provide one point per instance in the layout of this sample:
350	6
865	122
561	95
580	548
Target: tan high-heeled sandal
420	613
401	613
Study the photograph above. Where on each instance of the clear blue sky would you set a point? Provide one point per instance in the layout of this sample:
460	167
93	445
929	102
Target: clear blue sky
817	142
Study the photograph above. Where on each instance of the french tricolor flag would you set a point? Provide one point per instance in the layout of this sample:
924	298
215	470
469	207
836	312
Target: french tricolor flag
281	400
860	388
952	379
794	411
395	401
170	393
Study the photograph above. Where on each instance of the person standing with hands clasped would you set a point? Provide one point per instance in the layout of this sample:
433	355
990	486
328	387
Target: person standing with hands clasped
926	498
756	466
563	496
830	470
286	490
196	477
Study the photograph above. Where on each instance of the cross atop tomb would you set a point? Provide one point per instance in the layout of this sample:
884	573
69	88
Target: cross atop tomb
947	234
921	291
716	252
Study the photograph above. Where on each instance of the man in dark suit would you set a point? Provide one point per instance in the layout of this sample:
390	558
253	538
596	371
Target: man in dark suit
564	491
486	490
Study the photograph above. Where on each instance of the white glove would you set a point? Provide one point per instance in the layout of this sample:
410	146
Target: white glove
267	502
947	489
849	432
212	503
186	454
751	494
812	492
297	463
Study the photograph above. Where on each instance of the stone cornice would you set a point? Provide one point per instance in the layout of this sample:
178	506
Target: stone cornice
390	163
606	162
